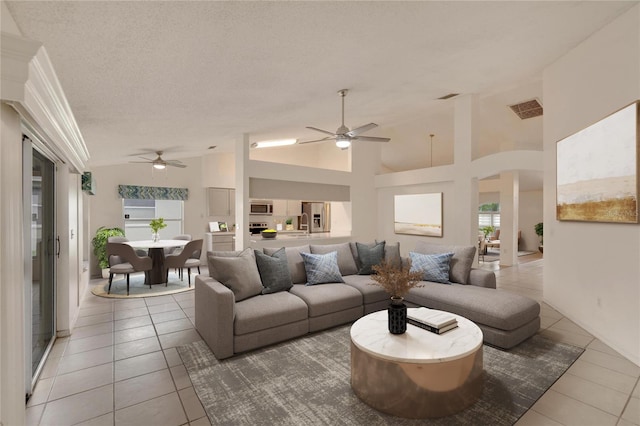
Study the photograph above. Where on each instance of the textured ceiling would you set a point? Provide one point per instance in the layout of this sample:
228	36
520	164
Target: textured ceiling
182	76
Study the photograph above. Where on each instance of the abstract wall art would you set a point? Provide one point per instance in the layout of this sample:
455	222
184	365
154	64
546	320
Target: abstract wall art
597	170
418	214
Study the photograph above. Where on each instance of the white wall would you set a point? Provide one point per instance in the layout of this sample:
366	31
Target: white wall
322	155
592	270
12	321
106	205
530	213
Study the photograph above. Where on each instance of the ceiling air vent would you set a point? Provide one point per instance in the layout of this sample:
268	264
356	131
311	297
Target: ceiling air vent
527	109
449	96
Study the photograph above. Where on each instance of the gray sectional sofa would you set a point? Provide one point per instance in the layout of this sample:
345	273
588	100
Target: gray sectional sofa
232	319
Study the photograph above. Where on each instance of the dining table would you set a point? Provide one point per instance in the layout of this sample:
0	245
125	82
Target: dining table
156	249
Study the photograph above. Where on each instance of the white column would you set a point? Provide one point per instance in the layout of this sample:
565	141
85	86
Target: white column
242	191
465	223
509	205
12	338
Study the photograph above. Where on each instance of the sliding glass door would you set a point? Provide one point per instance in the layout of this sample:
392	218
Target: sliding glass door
42	246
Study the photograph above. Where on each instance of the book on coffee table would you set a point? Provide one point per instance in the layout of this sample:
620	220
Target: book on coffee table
432	318
432	329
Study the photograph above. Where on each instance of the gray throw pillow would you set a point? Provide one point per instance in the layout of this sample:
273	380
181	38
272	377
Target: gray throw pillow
322	268
461	262
238	273
369	257
391	253
274	271
345	259
294	259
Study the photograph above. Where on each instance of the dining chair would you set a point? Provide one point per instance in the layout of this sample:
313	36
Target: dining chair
184	259
129	262
118	239
177	250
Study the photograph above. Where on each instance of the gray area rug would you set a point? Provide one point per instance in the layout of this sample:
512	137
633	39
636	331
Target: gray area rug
306	381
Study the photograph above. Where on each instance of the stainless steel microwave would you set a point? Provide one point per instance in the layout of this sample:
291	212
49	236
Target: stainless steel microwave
261	207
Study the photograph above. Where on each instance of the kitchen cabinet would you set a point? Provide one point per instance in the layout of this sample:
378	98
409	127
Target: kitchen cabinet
220	241
280	207
294	207
221	202
287	208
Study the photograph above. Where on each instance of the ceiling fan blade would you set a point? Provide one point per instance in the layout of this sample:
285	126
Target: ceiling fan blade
371	139
145	162
321	131
317	140
172	164
361	129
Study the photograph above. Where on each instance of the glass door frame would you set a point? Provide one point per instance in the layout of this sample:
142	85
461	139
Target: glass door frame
29	144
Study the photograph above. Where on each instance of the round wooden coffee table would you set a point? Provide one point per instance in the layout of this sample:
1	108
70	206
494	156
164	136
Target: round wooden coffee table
418	374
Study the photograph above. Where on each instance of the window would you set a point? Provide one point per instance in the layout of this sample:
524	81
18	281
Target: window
138	214
489	215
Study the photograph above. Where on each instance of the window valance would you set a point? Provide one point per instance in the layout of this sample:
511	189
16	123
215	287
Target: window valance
152	192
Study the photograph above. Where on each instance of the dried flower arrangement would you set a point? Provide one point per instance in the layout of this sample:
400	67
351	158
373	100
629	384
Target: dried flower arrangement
396	281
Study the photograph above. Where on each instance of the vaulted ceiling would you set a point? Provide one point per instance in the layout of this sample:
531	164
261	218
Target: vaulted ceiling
182	76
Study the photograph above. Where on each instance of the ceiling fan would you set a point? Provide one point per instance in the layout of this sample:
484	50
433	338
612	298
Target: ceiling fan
343	136
159	163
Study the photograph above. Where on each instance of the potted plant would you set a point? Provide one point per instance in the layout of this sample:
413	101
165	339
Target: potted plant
539	231
486	230
99	243
289	224
156	225
396	281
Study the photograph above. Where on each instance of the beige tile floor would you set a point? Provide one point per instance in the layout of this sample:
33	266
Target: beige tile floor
120	366
601	388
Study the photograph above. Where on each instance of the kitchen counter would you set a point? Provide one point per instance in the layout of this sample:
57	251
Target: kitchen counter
298	238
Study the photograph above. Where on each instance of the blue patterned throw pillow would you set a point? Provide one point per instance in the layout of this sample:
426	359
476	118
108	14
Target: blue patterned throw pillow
434	267
322	268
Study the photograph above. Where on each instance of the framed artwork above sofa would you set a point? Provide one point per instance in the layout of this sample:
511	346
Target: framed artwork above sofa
418	214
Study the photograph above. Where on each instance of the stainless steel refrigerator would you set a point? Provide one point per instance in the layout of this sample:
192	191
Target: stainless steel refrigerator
318	214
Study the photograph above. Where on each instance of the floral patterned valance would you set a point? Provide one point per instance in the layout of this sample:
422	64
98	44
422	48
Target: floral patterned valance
152	192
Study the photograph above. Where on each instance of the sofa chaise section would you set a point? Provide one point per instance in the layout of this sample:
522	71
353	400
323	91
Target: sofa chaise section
505	318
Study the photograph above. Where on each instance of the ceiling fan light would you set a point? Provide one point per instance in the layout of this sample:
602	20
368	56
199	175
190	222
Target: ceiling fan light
271	144
159	166
343	143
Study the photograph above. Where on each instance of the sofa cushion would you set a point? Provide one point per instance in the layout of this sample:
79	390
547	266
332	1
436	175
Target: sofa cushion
267	311
322	268
369	257
495	308
328	298
371	292
345	259
274	271
391	253
434	267
294	260
239	273
461	262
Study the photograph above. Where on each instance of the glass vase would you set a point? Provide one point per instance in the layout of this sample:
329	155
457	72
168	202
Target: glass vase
155	237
